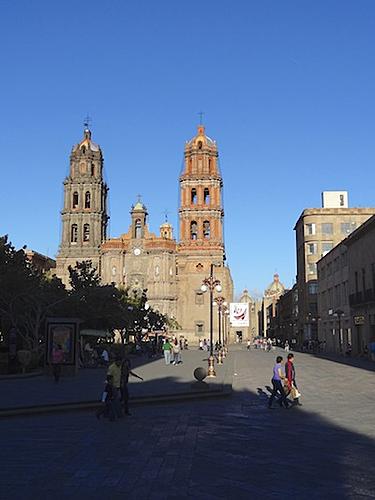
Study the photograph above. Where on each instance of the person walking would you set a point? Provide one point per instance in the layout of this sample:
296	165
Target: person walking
107	407
277	378
290	376
125	372
286	346
176	353
57	359
115	371
167	348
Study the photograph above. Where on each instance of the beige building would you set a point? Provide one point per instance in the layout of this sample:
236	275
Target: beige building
268	311
346	302
318	230
171	271
251	331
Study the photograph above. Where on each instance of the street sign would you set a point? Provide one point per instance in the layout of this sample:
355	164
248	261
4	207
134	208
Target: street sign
359	320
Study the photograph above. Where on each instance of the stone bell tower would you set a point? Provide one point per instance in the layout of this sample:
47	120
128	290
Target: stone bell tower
201	241
84	216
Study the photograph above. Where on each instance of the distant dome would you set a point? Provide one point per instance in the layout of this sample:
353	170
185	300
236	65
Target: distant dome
275	288
201	136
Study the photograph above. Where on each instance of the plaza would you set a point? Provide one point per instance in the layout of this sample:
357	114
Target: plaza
232	447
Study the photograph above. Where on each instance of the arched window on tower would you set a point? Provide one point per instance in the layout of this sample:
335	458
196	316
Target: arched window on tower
86	232
83	149
87	199
138	229
92	169
75	199
193	230
206	230
193	196
206	196
200	144
74	233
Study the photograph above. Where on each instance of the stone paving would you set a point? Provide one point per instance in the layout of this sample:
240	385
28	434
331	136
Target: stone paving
159	379
224	449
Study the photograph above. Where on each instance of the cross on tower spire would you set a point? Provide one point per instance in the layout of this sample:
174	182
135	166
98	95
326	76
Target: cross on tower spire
87	122
201	113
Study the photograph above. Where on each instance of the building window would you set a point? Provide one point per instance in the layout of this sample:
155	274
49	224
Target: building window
313	288
363	279
199	298
83	149
206	230
86	232
74	233
206	195
75	199
310	229
87	199
193	196
199	328
92	169
200	144
311	268
326	247
138	229
347	227
312	248
193	230
327	228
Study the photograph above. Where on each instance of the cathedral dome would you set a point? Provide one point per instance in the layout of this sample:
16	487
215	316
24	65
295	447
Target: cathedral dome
87	142
200	139
275	288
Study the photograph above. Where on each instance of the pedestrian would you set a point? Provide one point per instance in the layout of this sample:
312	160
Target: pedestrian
201	345
277	378
176	353
57	359
115	371
105	356
290	378
125	372
167	348
186	344
248	344
107	407
286	346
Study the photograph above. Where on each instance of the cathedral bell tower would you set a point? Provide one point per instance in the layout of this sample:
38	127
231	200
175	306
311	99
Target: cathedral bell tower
84	216
201	212
201	245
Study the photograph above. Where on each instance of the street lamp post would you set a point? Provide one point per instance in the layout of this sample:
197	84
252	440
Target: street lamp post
339	313
210	284
220	301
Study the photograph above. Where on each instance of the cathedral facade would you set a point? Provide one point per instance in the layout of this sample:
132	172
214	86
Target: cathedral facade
171	271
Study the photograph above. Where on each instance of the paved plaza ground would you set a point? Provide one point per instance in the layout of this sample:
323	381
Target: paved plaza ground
228	448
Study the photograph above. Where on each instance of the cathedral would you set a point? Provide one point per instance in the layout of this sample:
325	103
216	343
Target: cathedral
171	271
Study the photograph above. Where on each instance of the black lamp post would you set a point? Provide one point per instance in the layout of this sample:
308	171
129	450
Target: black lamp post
339	313
210	284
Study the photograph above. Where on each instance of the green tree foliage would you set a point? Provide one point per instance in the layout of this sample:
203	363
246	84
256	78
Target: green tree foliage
26	295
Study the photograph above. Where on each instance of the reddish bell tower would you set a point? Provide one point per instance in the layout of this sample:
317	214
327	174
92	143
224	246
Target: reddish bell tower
201	211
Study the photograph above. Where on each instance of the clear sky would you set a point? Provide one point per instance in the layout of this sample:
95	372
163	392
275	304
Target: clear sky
287	88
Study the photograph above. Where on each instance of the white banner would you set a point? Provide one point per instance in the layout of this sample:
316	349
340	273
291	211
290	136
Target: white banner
239	313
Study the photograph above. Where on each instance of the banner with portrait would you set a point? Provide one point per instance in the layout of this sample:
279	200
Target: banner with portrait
239	314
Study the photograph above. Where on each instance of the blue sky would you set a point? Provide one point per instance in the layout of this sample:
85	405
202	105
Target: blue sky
287	88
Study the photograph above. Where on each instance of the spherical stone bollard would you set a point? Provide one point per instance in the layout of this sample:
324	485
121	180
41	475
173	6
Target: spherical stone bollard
200	374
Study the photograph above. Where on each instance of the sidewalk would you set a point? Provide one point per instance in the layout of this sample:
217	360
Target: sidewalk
160	382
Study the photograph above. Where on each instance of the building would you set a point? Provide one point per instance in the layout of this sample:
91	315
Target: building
318	230
251	331
346	299
284	323
171	271
41	262
268	311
